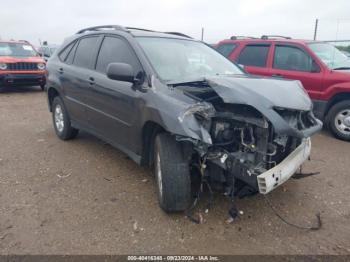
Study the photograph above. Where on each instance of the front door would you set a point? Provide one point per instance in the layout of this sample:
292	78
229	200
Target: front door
113	105
292	62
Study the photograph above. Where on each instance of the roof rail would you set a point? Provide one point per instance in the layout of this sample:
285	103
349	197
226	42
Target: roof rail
101	27
140	29
266	37
236	37
148	30
118	27
178	34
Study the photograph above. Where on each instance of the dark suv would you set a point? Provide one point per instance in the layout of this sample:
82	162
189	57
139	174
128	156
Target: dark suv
174	103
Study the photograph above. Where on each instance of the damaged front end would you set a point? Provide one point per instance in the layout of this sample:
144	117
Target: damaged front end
251	146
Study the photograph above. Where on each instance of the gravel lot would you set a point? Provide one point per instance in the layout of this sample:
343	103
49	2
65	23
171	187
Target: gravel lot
84	197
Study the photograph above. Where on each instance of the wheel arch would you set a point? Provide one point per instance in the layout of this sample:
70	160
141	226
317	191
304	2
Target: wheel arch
51	94
336	99
149	132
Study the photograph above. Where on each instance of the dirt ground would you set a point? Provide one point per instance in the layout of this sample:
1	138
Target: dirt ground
85	197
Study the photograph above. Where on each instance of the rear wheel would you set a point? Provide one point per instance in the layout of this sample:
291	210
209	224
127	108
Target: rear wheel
61	120
172	174
339	120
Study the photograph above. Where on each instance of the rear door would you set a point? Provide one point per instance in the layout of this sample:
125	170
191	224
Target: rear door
293	62
74	76
254	58
113	106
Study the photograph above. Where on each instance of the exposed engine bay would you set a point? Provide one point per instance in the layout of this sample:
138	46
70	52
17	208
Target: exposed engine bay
244	142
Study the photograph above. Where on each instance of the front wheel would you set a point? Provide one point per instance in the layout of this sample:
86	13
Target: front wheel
172	174
61	120
339	120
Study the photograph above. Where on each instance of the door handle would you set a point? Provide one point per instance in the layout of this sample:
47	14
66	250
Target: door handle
277	75
61	70
91	80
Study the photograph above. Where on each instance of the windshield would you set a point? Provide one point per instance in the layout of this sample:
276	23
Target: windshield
177	59
17	50
331	56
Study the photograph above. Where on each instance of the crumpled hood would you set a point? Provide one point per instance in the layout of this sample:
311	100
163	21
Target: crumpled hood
266	92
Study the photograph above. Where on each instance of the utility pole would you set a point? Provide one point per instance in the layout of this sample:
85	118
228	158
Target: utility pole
202	34
316	27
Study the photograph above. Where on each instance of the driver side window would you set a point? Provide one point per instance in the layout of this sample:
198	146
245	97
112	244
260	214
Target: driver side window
116	50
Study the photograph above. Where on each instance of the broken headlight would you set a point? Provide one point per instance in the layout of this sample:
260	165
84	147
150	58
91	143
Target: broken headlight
200	110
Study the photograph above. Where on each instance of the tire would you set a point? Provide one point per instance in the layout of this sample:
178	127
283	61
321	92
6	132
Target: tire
61	121
172	174
338	120
42	87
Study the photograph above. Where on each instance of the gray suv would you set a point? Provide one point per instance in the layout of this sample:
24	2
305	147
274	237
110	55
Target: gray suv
175	104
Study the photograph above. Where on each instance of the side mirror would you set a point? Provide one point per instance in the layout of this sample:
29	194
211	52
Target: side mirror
315	67
121	72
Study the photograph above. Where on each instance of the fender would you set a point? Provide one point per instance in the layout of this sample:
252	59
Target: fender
174	117
336	89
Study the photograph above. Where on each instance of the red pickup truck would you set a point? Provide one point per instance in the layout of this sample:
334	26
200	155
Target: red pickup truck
323	70
20	65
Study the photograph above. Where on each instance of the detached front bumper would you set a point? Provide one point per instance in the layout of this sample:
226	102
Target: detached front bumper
276	176
22	79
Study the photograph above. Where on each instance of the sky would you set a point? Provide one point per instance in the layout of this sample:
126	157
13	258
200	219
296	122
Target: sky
53	20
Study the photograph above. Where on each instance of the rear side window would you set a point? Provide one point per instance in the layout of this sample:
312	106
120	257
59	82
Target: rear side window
226	49
84	54
115	50
63	55
254	55
291	58
70	57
